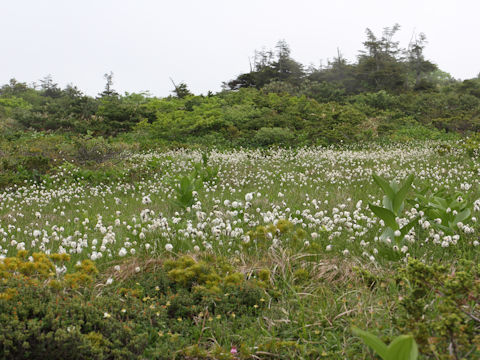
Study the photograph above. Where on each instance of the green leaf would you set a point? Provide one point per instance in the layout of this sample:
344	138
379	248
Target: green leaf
403	347
386	215
406	228
424	191
462	216
384	185
373	341
434	213
440	203
185	183
387	203
395	187
445	229
401	194
388	233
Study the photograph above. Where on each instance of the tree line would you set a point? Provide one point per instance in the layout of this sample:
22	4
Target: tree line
385	87
381	65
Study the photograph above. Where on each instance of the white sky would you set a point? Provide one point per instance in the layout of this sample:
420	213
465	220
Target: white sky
205	42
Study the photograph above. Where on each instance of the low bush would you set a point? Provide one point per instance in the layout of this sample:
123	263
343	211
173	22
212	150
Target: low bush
440	306
47	311
266	136
47	314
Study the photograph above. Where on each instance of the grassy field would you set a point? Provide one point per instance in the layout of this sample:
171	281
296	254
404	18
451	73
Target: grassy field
245	254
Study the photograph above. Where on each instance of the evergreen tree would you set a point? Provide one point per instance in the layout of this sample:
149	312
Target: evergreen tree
181	90
419	67
380	65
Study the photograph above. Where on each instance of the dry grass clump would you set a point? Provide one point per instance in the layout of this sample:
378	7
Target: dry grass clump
128	268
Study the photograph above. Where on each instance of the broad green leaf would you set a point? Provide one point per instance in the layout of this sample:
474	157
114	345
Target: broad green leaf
388	233
373	341
403	347
447	219
384	185
386	215
435	205
462	216
454	204
185	182
387	203
395	187
443	203
434	213
406	228
401	194
445	229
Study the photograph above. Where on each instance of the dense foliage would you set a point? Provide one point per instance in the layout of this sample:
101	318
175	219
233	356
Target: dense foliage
388	92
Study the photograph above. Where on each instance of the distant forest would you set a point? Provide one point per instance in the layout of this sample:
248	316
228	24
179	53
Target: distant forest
389	91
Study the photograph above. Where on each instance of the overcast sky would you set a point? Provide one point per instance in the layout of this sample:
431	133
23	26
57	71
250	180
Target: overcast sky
205	42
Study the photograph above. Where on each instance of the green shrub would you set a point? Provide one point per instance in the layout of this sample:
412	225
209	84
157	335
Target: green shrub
46	324
472	145
41	317
267	136
88	149
440	306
